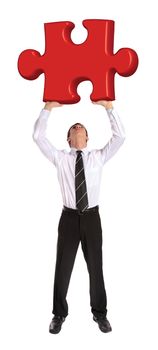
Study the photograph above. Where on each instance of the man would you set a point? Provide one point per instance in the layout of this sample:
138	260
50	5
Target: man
79	175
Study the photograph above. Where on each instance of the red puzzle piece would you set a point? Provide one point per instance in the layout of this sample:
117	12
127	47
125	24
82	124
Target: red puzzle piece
66	64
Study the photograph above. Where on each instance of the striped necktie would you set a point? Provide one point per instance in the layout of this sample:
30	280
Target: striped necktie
80	184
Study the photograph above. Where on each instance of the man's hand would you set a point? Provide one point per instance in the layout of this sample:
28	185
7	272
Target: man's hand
51	104
104	103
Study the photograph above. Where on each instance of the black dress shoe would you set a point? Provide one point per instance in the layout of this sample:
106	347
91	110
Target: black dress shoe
56	323
103	323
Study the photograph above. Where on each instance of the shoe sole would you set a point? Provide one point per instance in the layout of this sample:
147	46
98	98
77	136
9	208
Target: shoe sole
54	332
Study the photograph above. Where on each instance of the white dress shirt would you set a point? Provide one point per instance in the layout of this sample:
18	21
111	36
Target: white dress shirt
65	160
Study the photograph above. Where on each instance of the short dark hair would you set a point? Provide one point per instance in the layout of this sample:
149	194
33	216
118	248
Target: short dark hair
68	134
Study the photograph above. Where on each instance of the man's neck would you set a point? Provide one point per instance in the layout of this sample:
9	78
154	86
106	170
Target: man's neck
79	145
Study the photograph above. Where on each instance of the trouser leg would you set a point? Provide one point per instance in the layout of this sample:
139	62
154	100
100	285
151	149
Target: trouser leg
91	241
67	245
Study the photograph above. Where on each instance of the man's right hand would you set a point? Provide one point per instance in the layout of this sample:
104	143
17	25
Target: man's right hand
104	103
51	104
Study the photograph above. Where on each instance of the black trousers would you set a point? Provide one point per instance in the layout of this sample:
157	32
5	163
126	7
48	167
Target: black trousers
73	228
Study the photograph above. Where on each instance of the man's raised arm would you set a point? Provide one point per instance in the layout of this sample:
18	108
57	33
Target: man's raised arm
117	129
39	132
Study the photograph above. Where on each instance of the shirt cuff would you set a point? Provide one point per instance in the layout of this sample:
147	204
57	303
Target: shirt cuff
44	113
109	109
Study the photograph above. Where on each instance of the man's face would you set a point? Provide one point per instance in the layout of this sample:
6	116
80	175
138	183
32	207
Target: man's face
77	133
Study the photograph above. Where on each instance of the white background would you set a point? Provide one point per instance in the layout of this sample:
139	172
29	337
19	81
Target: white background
30	196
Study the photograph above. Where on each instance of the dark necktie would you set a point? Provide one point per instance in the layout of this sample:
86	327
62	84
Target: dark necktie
80	183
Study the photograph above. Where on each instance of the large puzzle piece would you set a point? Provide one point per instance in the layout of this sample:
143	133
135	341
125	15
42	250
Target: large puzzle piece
66	64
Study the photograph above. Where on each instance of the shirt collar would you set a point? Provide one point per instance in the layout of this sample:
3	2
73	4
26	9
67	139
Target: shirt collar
84	150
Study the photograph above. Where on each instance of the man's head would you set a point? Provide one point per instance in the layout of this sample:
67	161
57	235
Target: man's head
77	136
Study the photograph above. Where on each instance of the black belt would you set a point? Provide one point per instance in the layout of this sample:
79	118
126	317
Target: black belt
80	212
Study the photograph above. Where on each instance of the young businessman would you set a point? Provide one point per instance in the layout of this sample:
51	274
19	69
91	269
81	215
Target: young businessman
79	175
